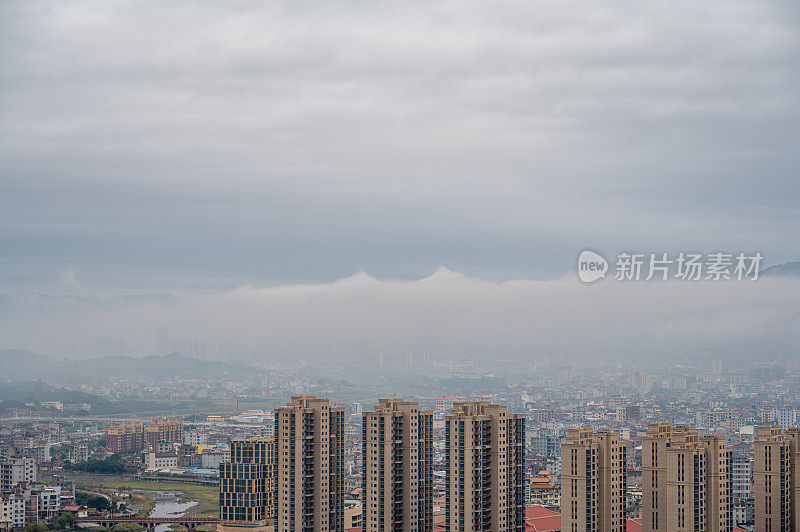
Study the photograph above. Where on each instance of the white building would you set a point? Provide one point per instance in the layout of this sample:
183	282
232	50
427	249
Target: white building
354	410
52	405
711	419
50	500
40	453
212	459
12	511
195	437
787	417
16	470
161	460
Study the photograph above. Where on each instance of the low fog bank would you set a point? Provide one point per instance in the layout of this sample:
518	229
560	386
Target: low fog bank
447	314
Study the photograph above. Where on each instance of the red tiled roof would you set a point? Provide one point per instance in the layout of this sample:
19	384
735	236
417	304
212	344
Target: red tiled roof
537	512
540	519
633	525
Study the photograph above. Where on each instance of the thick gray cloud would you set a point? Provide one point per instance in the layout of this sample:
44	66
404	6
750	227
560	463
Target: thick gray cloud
202	145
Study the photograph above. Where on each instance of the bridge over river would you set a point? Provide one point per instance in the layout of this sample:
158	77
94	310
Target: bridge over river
150	523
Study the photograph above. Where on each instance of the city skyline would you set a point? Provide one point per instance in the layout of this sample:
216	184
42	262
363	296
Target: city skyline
706	442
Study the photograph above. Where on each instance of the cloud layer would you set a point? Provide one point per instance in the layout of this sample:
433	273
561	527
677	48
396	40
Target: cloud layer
447	313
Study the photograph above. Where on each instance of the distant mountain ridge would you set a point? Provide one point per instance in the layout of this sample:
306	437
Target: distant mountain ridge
17	364
17	394
787	269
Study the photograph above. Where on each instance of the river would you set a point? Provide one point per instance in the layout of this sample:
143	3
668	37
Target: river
168	505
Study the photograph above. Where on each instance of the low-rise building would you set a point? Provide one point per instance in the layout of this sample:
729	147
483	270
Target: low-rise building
212	459
49	501
161	460
12	511
541	492
76	510
80	453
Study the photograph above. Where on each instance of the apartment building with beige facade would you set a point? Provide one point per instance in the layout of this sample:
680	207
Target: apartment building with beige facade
485	464
686	480
397	452
776	479
593	481
310	472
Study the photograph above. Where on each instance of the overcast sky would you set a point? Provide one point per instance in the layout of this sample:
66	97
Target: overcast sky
196	147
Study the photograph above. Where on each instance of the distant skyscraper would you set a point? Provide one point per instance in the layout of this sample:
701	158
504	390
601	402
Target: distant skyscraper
641	381
310	449
397	455
775	476
162	341
485	460
247	483
686	480
711	364
426	357
593	482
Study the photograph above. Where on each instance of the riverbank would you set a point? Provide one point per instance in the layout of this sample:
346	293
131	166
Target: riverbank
207	497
